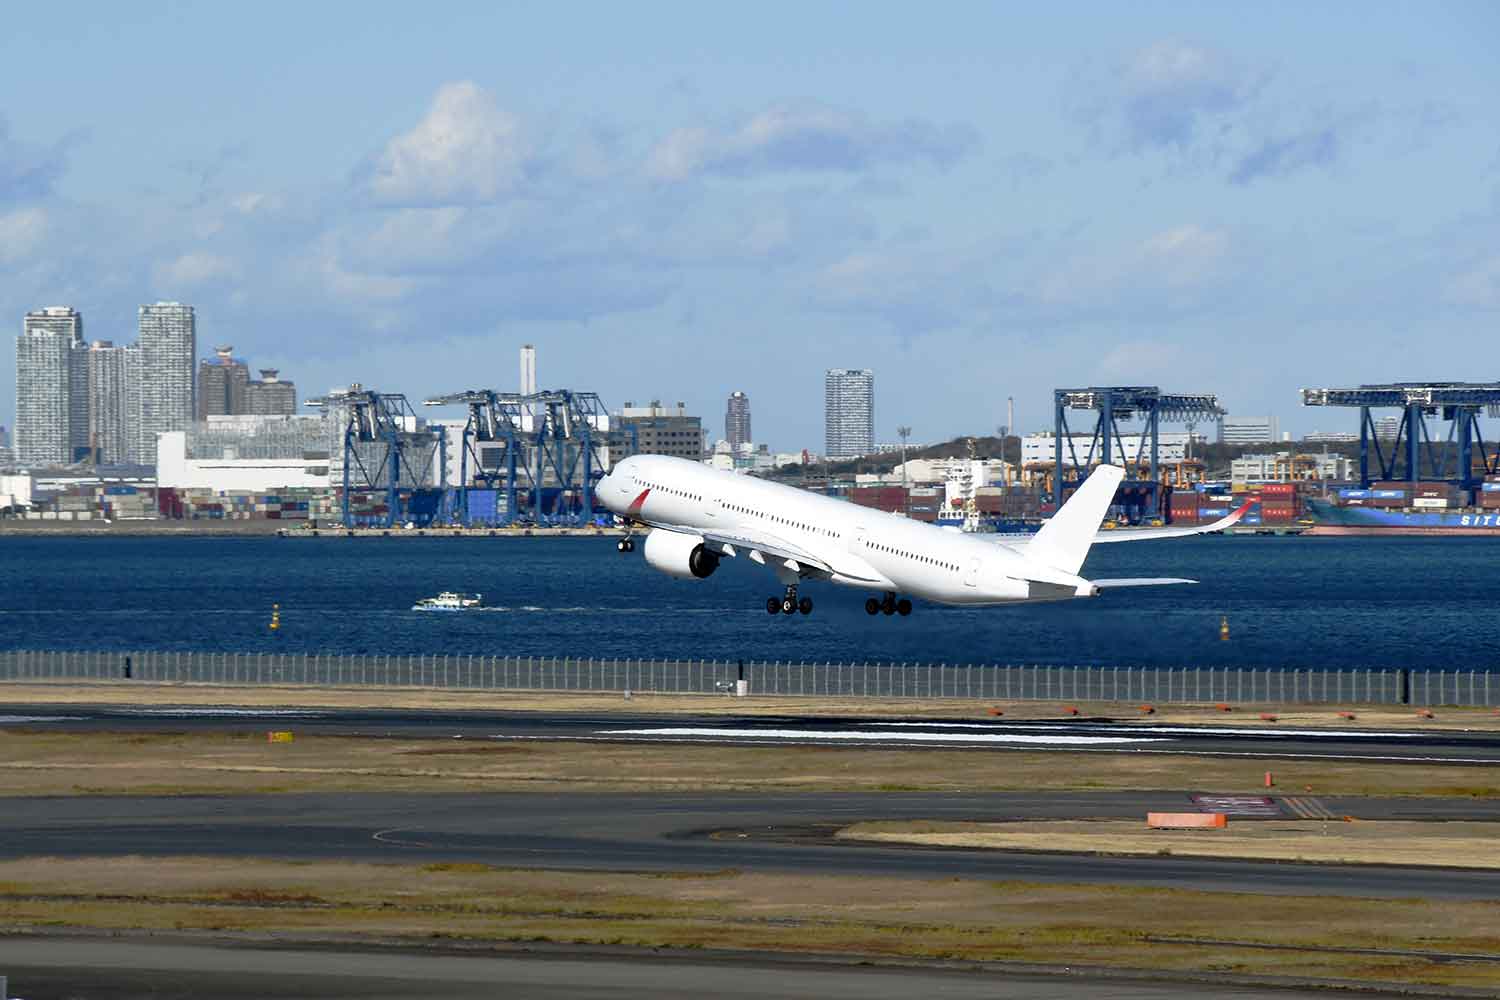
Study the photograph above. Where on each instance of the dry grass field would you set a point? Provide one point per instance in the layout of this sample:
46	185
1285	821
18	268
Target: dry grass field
1076	925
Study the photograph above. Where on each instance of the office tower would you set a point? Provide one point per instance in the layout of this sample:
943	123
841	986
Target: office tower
849	412
221	384
270	396
737	421
1248	430
528	370
167	345
109	396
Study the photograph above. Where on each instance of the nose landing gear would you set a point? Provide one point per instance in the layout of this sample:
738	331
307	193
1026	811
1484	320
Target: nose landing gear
626	544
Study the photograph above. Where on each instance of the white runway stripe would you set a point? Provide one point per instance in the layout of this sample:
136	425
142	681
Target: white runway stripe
1169	730
877	736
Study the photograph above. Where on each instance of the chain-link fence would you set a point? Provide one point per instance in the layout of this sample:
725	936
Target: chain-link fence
885	680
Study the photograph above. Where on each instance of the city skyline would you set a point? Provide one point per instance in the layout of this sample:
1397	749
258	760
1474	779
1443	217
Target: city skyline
1127	197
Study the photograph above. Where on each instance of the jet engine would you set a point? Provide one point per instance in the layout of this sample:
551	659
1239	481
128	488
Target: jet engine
680	555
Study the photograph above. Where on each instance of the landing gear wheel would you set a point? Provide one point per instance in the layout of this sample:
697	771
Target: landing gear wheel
773	606
789	605
625	545
805	605
888	606
872	607
903	607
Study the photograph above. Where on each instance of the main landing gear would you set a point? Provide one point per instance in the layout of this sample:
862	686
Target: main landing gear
889	606
789	605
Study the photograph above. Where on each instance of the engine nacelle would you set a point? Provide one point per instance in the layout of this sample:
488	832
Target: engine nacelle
680	555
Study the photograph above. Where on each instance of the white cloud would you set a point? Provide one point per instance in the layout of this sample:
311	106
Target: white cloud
807	137
196	267
1169	88
255	203
1185	255
21	234
466	149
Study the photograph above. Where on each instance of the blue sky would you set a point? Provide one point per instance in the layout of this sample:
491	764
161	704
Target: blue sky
681	200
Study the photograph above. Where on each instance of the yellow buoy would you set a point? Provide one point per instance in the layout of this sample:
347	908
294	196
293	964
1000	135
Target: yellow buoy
1224	629
275	617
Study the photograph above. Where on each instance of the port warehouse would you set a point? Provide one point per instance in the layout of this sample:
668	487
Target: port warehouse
305	460
1042	682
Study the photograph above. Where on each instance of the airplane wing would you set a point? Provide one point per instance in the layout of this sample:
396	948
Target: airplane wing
1146	534
1019	545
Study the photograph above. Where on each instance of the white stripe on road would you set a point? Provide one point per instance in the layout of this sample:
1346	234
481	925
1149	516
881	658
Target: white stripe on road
1205	730
874	735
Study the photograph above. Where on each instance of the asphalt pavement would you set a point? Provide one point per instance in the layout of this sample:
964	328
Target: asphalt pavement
749	831
103	969
1258	741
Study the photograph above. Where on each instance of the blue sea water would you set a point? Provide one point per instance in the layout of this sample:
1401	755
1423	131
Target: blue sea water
1291	602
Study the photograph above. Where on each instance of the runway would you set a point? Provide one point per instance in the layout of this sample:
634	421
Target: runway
74	968
703	832
1262	741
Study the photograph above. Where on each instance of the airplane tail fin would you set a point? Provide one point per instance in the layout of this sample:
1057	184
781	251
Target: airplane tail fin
1064	540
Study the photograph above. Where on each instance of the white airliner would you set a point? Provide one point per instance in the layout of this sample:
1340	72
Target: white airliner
700	515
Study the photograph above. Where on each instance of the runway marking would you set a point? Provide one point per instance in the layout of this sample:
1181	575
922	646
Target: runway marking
1187	752
1309	808
1170	730
8	720
384	837
1239	805
876	736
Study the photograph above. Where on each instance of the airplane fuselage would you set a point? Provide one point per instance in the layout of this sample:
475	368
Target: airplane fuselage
846	543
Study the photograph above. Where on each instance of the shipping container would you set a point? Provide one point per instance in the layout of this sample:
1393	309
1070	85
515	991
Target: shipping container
1430	503
1278	489
1490	486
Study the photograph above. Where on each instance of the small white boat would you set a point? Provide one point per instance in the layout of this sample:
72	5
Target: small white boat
448	601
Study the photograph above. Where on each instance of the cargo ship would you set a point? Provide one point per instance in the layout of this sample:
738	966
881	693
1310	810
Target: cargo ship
1349	519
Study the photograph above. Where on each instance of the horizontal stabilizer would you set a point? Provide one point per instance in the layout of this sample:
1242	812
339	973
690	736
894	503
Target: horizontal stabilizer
1140	581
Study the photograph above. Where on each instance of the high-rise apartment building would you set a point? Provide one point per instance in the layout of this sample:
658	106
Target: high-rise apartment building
221	384
849	412
51	387
737	421
110	395
269	396
166	346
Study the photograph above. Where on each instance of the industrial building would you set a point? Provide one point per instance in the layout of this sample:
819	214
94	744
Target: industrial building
848	412
1039	450
1249	430
1285	467
243	452
656	430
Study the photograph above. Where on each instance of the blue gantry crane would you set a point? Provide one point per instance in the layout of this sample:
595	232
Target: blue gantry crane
386	450
1139	496
543	452
1461	456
